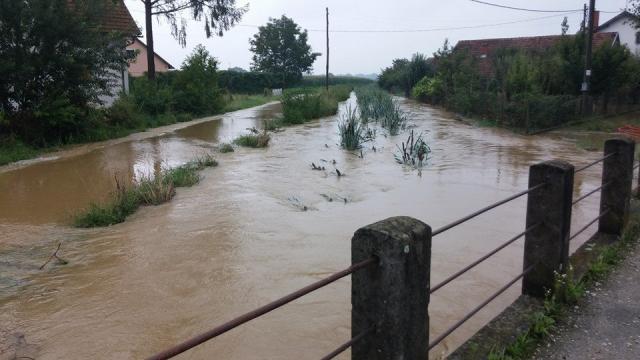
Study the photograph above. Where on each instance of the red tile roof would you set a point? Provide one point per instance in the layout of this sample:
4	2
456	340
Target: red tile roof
483	49
117	18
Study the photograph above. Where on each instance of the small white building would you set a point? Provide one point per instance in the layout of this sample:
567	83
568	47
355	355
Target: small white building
625	25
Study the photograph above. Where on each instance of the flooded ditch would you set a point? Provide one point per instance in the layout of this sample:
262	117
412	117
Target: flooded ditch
261	224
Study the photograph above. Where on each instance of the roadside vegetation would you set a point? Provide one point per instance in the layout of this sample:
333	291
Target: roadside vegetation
147	190
378	105
568	292
302	105
525	90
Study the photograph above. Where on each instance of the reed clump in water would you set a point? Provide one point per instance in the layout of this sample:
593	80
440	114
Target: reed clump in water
352	130
414	152
145	191
377	105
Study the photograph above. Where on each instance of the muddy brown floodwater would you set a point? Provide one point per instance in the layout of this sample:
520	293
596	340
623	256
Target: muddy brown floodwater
241	238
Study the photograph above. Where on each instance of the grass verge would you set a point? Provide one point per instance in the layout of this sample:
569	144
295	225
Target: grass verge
567	293
146	191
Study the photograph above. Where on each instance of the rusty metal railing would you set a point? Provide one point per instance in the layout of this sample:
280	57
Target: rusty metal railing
229	325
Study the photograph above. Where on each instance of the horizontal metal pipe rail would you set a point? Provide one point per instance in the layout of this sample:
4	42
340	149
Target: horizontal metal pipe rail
347	345
199	339
594	162
478	308
485	209
589	224
480	260
591	192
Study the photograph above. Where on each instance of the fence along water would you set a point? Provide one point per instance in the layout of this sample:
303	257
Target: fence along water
391	260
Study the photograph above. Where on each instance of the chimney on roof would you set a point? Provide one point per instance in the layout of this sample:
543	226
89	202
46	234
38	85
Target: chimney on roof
596	20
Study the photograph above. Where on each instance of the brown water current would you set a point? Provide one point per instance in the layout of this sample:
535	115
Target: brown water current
242	238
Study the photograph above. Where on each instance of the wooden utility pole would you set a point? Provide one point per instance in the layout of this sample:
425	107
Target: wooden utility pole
326	79
586	82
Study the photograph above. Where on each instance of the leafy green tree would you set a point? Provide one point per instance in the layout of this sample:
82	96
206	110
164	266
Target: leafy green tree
404	74
55	61
280	47
196	85
218	15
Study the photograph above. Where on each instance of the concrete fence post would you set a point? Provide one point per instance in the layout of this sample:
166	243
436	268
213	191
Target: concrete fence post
392	297
546	246
618	171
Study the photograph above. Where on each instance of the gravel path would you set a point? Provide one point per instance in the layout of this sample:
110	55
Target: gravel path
606	324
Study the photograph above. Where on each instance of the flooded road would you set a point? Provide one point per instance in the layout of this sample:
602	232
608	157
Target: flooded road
241	237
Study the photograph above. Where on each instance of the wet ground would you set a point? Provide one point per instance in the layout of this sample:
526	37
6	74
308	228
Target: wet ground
242	236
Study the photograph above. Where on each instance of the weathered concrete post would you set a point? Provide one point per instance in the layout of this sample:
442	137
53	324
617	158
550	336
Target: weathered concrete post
618	171
392	297
546	246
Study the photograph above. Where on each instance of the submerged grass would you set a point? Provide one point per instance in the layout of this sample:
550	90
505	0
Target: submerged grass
145	191
225	148
253	140
377	105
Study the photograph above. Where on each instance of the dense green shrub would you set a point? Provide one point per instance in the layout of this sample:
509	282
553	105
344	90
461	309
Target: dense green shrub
153	97
248	82
125	113
195	88
299	106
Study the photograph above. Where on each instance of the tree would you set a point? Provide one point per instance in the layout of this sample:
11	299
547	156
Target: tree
196	85
564	26
218	15
55	61
280	47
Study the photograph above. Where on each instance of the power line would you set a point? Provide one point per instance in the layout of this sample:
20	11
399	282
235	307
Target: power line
434	29
522	9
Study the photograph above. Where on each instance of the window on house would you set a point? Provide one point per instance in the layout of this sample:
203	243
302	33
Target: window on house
131	54
638	37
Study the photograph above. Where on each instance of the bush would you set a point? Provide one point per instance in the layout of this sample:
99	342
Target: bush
125	113
300	106
247	82
195	89
153	98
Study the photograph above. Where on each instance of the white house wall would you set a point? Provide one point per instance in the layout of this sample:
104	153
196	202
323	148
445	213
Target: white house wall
627	33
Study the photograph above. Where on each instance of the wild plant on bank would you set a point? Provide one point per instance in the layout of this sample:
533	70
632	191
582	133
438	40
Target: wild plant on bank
414	152
352	130
225	148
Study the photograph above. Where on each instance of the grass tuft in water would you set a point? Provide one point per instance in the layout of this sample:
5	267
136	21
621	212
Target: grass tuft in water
352	130
145	191
414	152
254	140
225	148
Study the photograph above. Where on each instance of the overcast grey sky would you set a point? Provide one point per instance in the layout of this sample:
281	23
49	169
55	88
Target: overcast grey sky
368	52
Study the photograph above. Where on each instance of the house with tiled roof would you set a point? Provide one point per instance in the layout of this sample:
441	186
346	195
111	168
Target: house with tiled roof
625	25
483	49
116	19
139	66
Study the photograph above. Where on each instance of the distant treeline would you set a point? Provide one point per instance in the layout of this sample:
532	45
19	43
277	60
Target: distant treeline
251	82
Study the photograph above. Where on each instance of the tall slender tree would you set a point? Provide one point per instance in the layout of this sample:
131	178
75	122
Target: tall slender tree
218	15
